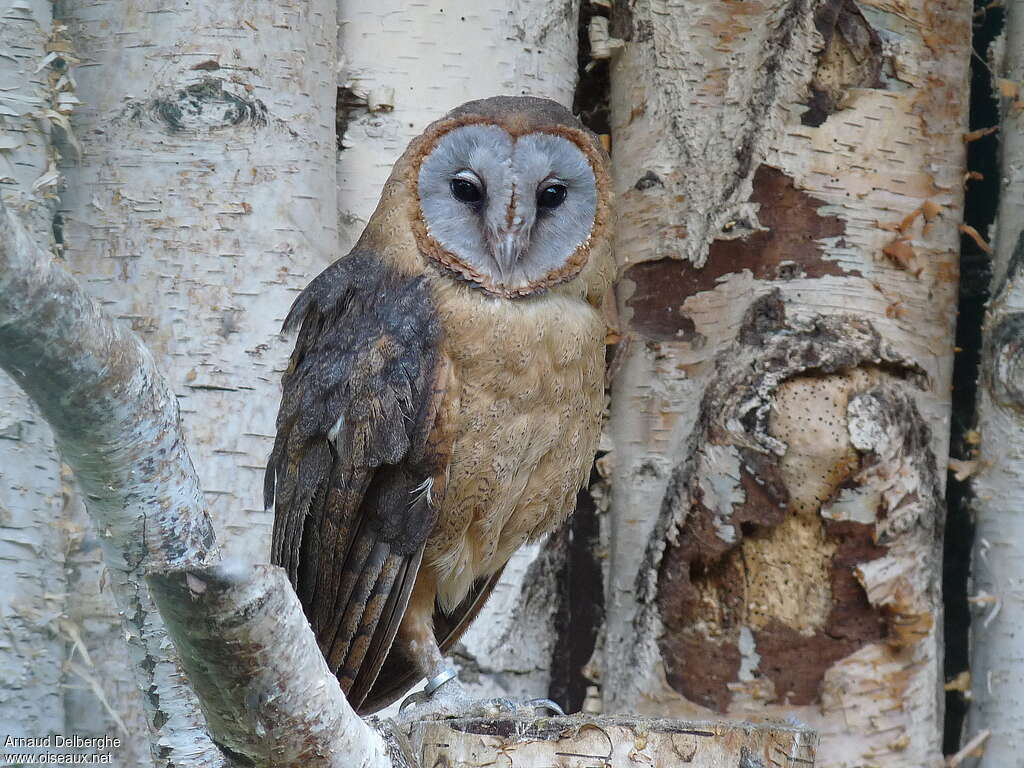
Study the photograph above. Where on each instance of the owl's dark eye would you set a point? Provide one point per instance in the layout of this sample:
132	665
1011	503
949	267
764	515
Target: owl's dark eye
466	191
551	196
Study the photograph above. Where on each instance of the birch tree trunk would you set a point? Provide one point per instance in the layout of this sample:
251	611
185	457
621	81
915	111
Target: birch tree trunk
405	65
789	182
202	202
203	129
997	667
31	545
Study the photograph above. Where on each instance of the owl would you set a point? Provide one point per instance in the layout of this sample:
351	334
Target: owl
443	401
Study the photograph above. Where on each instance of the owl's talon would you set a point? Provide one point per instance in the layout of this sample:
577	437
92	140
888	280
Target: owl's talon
547	704
413	699
442	698
447	699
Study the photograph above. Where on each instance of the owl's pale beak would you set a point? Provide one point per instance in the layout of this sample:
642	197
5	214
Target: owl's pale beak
510	246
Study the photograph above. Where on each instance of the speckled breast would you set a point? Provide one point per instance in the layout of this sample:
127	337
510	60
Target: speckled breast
530	376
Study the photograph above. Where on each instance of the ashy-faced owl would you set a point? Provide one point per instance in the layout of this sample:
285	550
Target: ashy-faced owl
443	400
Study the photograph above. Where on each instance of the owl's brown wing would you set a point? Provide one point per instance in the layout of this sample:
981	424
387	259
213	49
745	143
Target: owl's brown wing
357	457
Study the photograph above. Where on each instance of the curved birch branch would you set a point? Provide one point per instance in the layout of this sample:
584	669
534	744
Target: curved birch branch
267	693
113	415
116	423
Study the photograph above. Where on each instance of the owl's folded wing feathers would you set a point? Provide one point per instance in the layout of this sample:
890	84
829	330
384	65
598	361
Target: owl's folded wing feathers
355	468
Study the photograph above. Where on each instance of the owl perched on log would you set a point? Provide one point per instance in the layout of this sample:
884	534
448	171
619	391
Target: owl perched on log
442	404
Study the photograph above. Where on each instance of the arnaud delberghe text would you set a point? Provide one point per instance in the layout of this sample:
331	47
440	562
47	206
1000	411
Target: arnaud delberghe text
59	741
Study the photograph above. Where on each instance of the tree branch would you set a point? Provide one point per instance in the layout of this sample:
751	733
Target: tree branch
114	417
116	424
266	691
616	741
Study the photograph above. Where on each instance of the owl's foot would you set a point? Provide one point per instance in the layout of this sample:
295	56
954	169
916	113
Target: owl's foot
445	698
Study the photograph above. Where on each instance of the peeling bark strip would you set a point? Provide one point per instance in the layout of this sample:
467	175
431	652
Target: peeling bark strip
777	417
116	425
266	691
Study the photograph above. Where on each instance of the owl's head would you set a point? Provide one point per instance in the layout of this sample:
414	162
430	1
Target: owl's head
510	193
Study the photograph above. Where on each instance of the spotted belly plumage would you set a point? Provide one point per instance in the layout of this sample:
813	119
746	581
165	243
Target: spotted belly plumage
530	397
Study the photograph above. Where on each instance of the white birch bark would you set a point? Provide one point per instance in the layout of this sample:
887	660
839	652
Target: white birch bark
789	182
83	676
31	540
202	206
997	665
403	66
101	694
202	203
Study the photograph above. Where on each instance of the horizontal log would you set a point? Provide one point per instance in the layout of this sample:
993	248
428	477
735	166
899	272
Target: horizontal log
610	742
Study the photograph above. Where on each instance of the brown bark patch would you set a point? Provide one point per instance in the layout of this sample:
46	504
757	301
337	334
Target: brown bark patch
770	563
704	602
657	301
760	594
851	58
852	616
903	256
700	662
765	495
906	629
787	248
796	662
